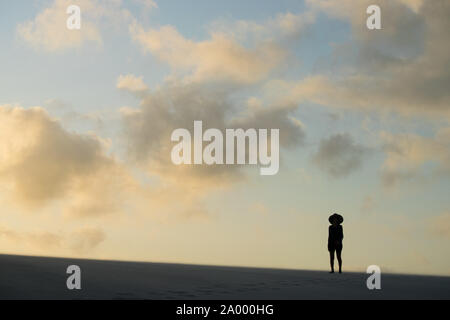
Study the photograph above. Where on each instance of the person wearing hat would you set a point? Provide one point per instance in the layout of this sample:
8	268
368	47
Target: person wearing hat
335	236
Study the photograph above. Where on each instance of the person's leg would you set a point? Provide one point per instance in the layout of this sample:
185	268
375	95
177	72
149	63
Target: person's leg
338	254
332	260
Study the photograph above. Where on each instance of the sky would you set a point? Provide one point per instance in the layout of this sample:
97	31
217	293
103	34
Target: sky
86	118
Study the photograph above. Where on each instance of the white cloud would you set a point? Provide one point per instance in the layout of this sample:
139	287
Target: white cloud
131	83
48	30
150	4
407	155
221	57
41	162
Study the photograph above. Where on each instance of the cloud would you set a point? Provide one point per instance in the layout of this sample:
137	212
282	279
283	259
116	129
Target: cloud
221	57
149	4
280	29
407	156
178	191
339	155
69	116
207	76
131	83
86	239
402	27
401	68
40	240
41	163
43	240
259	115
80	241
242	52
414	5
177	105
440	225
368	204
48	30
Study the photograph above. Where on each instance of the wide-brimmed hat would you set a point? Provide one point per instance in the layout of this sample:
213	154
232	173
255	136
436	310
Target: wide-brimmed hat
336	217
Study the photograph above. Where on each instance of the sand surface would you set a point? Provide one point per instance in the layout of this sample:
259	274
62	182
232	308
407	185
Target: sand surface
45	278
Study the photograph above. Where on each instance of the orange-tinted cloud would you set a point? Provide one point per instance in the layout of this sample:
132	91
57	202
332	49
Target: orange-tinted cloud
41	162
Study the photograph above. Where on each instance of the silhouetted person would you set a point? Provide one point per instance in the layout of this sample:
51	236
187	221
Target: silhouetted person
335	236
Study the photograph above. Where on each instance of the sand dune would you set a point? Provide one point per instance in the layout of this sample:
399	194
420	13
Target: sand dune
45	278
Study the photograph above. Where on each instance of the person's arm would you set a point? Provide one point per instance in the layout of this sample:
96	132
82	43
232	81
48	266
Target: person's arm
341	233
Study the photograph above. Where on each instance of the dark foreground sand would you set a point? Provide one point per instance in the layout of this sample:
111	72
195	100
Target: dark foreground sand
45	278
